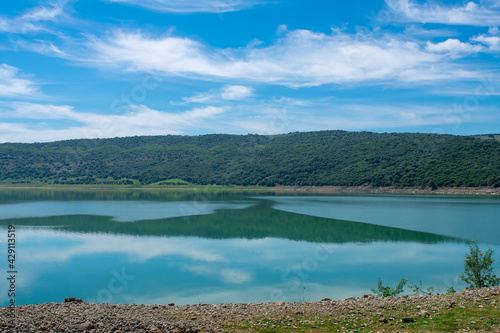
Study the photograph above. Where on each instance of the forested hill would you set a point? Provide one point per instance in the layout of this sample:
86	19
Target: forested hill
313	158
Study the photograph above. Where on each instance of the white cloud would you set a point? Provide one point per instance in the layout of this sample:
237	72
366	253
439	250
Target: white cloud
358	117
43	13
227	92
11	85
236	276
140	249
227	275
29	122
139	120
201	98
295	101
492	42
119	211
193	6
484	14
453	46
270	121
236	92
33	20
300	58
39	46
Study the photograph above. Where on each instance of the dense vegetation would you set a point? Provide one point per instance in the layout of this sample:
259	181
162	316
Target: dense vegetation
313	158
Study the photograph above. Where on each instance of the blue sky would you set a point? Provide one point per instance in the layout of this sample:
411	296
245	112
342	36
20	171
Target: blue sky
107	68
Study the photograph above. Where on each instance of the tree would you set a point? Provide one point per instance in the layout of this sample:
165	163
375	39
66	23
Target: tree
478	268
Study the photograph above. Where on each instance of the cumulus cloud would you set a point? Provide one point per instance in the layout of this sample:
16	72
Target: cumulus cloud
483	14
236	92
492	42
193	6
227	92
33	19
300	58
11	85
139	120
453	46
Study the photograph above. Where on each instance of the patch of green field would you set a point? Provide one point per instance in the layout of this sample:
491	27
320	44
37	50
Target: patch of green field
175	181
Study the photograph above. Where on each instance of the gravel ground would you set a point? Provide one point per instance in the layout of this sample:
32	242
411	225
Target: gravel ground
74	316
388	190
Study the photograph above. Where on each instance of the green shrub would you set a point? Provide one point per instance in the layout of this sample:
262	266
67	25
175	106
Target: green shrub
383	291
451	291
418	289
478	268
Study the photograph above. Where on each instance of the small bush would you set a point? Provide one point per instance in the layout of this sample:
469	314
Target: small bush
451	291
478	268
383	291
418	289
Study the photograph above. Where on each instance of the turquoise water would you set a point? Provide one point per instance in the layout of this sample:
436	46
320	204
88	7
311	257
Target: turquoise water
160	248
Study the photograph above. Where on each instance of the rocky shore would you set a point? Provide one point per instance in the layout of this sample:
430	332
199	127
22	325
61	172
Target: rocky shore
469	310
389	190
485	190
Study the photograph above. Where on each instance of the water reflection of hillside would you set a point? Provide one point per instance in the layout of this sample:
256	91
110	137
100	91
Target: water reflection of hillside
257	221
19	195
459	217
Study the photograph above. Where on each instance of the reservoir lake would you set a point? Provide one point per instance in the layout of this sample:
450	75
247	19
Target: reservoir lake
161	247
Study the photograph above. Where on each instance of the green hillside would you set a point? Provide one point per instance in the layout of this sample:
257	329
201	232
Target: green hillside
313	158
488	137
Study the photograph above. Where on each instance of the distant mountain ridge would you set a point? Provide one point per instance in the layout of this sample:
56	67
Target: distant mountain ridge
337	158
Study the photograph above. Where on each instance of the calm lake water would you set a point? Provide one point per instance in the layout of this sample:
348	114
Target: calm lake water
159	248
